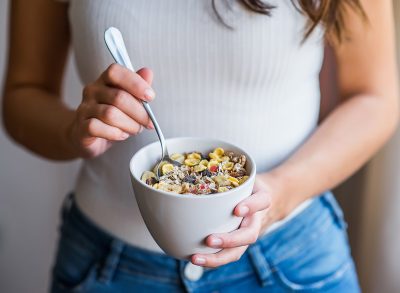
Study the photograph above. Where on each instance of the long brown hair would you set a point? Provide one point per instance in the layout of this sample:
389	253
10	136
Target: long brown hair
329	13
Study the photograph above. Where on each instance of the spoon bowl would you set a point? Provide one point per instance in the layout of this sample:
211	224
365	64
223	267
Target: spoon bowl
116	45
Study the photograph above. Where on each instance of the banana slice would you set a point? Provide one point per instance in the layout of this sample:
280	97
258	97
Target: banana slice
227	166
234	181
192	162
219	152
146	175
221	180
167	168
222	189
243	179
196	156
214	156
199	168
204	163
212	163
178	157
225	159
161	164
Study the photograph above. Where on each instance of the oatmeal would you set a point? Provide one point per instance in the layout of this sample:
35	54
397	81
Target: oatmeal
219	171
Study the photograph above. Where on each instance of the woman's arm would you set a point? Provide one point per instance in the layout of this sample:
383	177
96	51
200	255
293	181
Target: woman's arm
367	116
343	142
34	113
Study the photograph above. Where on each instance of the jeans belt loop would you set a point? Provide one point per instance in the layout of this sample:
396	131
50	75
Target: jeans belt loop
107	270
260	264
329	200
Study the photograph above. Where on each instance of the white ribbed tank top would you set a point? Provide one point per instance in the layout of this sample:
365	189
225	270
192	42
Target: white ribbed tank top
255	85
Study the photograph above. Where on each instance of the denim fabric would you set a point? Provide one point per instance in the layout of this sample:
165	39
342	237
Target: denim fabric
309	253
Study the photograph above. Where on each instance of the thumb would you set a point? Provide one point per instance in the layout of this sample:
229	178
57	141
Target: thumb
146	74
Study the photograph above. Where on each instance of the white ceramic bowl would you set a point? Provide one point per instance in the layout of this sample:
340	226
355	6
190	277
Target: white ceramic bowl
179	223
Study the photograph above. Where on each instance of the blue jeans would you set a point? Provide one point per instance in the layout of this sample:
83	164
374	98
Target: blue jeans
309	253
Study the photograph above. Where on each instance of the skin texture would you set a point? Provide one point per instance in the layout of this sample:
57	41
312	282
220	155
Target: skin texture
35	116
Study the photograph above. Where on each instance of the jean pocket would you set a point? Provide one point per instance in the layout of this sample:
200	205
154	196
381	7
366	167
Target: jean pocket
63	284
75	265
318	266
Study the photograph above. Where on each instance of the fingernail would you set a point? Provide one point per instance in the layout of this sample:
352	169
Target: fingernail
150	125
243	210
141	129
215	242
149	94
124	135
199	260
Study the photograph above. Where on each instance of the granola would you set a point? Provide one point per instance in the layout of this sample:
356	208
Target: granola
217	172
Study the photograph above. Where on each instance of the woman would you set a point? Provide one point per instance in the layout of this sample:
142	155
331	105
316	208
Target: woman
245	71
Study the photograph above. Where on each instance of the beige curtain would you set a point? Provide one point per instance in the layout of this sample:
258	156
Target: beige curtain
372	202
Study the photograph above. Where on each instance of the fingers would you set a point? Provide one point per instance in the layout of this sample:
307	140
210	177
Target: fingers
95	128
113	116
247	234
124	102
220	258
146	74
131	82
258	201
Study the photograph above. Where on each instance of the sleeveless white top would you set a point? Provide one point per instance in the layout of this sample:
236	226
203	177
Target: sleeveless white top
256	86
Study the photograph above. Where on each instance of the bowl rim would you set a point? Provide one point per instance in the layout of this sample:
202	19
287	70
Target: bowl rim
195	196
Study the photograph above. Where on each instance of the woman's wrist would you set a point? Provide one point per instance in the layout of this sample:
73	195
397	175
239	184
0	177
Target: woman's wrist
285	194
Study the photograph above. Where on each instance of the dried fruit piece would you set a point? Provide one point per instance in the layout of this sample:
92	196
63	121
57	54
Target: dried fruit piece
192	162
243	179
167	168
204	162
189	179
199	168
178	157
147	175
219	152
225	159
212	163
151	181
222	189
214	156
234	181
227	166
196	156
221	180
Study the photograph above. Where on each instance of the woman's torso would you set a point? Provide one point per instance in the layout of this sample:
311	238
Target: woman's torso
255	85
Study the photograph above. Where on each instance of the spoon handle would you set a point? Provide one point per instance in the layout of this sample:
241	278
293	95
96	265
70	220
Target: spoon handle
116	45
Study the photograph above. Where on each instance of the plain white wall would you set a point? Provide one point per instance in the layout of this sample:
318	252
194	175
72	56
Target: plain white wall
31	192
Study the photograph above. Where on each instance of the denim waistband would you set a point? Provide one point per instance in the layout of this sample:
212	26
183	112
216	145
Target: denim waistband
302	229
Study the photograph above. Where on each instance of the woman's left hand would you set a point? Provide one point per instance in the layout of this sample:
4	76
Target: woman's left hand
258	212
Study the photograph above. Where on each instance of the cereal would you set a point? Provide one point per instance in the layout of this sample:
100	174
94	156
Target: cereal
220	171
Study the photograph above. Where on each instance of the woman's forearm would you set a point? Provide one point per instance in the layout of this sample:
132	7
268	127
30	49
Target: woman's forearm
344	141
39	121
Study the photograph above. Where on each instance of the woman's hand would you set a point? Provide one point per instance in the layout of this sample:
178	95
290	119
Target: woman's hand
265	206
111	110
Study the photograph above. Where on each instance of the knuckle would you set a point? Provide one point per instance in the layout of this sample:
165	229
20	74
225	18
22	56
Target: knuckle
90	126
118	98
109	113
137	129
112	72
87	92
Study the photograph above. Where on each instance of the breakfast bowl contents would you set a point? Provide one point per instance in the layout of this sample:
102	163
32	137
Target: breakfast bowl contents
194	200
219	171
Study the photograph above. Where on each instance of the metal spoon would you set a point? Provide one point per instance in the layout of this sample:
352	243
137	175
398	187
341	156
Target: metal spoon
116	46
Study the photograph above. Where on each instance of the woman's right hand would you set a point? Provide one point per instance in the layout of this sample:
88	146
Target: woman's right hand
111	110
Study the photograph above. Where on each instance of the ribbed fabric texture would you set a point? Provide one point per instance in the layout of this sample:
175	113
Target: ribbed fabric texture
255	85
